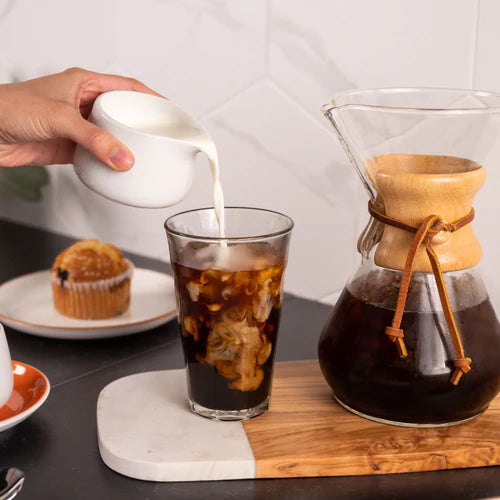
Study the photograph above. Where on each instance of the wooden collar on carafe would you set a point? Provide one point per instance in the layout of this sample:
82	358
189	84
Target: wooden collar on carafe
421	190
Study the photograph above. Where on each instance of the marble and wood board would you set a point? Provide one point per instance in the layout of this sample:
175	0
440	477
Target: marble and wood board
146	431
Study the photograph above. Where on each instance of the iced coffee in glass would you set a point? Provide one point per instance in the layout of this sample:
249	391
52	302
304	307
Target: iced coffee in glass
229	292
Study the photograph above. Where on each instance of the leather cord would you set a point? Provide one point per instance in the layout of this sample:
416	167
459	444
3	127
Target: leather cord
430	227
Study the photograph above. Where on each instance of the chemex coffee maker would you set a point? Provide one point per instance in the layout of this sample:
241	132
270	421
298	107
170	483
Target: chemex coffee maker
414	339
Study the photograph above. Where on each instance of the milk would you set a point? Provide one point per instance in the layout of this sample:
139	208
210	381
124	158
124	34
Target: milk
202	141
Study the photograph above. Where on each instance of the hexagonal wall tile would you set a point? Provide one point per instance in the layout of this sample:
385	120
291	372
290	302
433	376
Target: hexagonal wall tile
45	37
197	52
315	52
274	155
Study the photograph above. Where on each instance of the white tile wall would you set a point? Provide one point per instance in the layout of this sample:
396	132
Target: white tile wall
487	72
320	47
275	152
256	74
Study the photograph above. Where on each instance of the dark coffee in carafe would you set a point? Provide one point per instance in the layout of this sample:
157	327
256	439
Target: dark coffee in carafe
368	376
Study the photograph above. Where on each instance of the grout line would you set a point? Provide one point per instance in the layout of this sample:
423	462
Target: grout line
114	363
258	78
277	159
217	107
317	117
473	54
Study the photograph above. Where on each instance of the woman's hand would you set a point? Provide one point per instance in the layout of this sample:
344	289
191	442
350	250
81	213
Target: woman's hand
42	120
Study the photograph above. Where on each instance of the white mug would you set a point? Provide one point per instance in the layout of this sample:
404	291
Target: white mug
6	374
149	126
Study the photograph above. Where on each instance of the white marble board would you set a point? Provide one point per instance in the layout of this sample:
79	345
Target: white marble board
146	431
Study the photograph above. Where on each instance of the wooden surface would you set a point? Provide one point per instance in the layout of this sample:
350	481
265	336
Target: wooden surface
306	433
415	186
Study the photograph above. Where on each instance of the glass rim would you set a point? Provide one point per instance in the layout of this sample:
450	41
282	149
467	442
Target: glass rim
274	234
408	109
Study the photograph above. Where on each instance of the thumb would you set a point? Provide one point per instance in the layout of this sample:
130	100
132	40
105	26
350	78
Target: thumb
105	147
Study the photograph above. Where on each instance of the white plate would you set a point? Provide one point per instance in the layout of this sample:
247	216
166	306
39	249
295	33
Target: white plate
26	305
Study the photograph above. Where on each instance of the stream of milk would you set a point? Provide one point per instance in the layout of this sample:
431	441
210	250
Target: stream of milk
202	141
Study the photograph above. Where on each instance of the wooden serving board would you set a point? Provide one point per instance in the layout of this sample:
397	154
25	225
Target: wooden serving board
306	433
146	431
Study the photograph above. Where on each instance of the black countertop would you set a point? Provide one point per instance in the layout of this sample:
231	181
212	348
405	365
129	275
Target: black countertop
57	446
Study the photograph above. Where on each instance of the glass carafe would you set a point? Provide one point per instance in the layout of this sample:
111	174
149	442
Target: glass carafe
414	339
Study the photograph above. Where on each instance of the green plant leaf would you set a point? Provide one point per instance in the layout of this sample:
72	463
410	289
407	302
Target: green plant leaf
26	182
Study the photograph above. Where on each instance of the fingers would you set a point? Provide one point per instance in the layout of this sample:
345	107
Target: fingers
57	103
114	82
100	82
106	148
37	153
79	87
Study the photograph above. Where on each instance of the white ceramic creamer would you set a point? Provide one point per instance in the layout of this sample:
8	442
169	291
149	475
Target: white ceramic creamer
6	374
164	140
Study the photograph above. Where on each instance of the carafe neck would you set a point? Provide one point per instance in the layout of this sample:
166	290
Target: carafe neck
414	187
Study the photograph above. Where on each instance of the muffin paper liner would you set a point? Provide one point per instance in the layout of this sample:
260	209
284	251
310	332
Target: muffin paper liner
105	284
93	299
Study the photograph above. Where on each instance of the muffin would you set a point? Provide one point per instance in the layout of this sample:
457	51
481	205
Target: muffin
91	280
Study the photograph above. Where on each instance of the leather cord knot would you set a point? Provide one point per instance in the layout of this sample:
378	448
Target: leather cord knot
424	234
439	226
462	365
396	335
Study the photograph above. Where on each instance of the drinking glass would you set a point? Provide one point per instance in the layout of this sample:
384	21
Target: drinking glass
229	293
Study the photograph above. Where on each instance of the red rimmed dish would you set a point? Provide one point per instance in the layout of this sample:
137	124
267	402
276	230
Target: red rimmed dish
31	389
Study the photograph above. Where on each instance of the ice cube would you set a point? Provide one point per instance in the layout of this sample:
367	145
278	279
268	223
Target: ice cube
190	327
194	290
264	351
245	257
229	291
233	348
200	257
262	302
235	314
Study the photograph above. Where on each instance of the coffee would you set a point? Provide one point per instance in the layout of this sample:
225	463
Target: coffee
229	310
363	368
